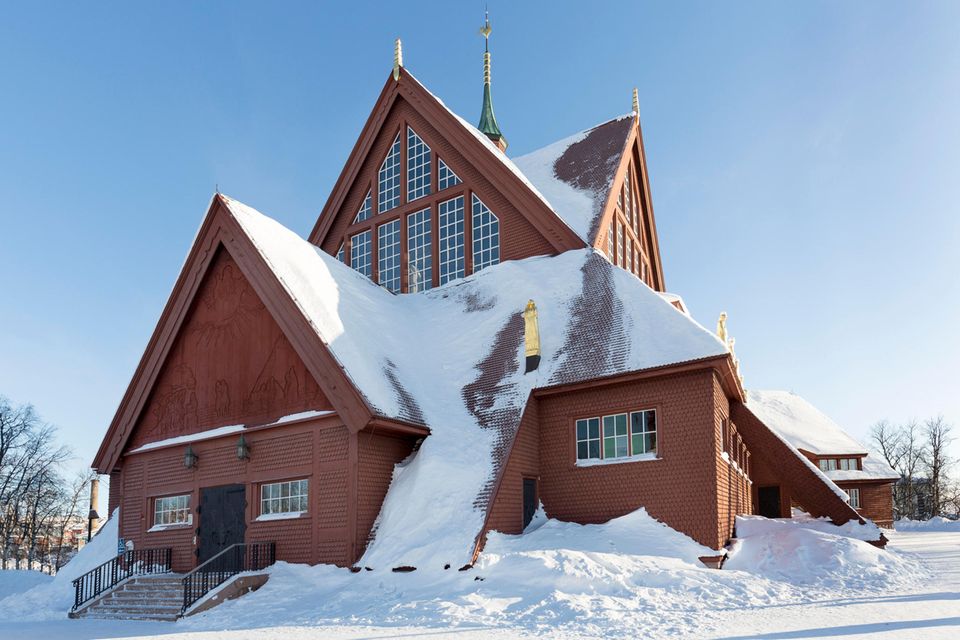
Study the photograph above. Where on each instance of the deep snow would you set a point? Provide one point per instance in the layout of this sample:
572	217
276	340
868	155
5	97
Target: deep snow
534	586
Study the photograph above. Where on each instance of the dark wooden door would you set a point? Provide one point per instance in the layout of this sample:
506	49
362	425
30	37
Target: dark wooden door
769	499
529	500
223	519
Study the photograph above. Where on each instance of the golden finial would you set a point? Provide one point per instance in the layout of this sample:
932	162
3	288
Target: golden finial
485	29
397	59
636	102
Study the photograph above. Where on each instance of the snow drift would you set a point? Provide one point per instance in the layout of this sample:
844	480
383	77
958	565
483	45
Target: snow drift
54	598
938	523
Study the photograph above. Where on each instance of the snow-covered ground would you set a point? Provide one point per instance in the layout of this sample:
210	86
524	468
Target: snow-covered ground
632	577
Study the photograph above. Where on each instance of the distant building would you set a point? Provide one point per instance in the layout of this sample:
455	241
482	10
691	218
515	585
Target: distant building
462	337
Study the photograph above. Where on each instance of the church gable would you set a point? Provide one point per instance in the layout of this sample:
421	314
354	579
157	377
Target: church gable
423	201
627	232
229	364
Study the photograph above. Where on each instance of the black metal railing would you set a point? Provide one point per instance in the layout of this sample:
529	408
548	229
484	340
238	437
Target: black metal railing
113	572
234	559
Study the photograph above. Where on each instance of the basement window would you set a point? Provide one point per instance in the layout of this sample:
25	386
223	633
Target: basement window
854	497
171	511
278	499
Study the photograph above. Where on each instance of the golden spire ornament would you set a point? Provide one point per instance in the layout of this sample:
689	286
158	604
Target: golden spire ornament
397	59
636	103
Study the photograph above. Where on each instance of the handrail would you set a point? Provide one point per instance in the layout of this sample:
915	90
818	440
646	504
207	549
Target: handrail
114	571
236	558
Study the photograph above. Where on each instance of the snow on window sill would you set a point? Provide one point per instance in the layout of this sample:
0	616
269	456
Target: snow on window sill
267	517
171	527
596	462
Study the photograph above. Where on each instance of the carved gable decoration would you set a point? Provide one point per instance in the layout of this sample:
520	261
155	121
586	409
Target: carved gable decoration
230	364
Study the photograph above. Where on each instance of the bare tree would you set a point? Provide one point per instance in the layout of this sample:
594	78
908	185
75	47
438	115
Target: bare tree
936	461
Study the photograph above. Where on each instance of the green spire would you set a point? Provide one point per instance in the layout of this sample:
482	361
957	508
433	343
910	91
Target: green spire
488	122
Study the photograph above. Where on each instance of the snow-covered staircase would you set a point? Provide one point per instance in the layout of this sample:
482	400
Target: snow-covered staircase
151	597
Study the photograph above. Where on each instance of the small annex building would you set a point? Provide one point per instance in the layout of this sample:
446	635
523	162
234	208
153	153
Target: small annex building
866	478
462	338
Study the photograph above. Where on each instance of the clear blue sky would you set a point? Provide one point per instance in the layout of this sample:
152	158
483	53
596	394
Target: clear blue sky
804	165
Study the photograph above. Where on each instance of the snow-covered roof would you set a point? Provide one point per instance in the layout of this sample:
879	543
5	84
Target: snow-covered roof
802	424
809	429
575	175
450	359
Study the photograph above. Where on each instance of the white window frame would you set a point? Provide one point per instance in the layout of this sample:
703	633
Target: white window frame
418	166
854	493
419	251
586	423
452	260
389	255
297	498
485	236
172	511
604	423
366	209
388	179
361	246
446	177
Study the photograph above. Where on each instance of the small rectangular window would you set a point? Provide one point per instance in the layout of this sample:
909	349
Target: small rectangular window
172	510
619	244
629	254
284	497
828	464
610	241
588	439
616	444
643	432
854	497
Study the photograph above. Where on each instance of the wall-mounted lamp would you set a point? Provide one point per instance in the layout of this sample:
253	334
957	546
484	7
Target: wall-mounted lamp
190	458
243	449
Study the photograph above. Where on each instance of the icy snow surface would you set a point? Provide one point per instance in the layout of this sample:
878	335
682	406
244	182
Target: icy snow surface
427	367
53	598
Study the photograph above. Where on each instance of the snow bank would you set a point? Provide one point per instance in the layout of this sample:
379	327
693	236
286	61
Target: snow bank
53	598
933	524
16	581
868	531
803	553
630	577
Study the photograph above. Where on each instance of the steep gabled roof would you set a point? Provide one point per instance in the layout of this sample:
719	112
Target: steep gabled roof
475	148
220	229
576	174
449	358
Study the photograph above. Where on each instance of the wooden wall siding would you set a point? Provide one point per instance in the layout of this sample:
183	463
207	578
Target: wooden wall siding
763	473
506	510
377	456
802	484
518	238
229	364
679	489
276	453
733	487
116	483
876	501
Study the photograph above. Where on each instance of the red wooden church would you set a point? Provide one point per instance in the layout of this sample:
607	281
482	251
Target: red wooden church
462	338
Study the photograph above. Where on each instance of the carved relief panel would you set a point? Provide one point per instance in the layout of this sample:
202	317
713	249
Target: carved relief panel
230	364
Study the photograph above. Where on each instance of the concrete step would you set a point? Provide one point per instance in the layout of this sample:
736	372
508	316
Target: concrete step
134	600
119	615
138	607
